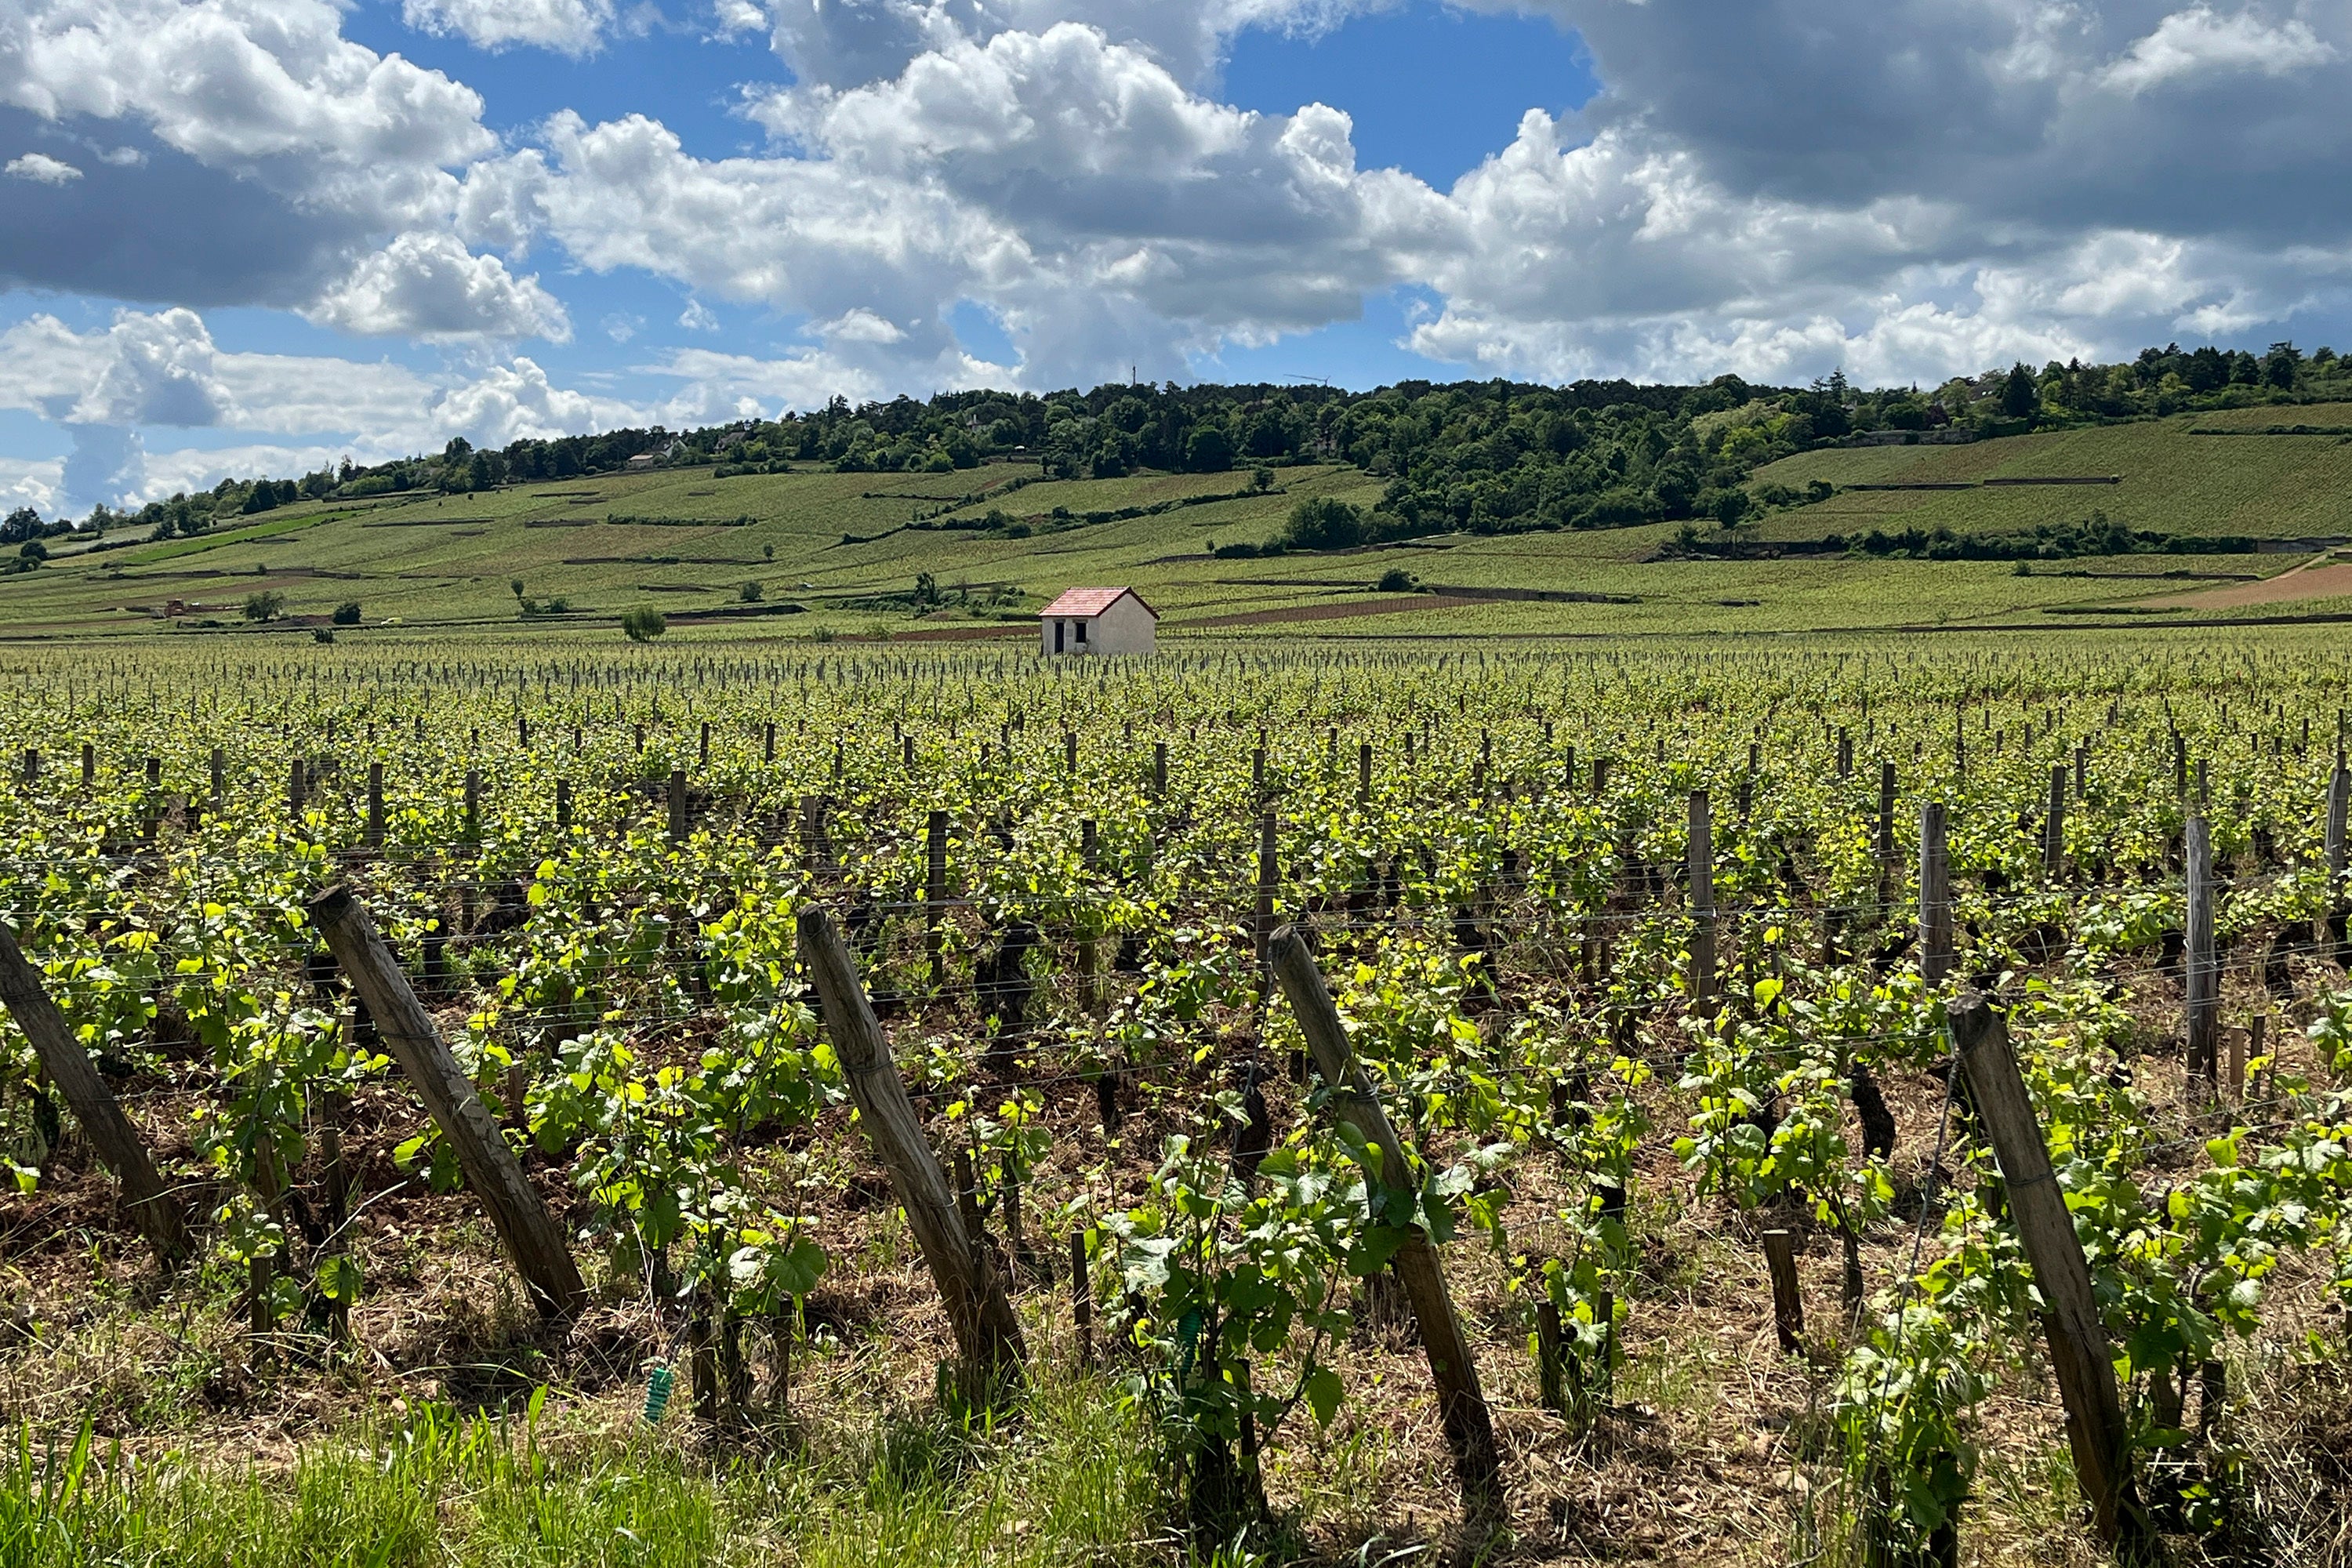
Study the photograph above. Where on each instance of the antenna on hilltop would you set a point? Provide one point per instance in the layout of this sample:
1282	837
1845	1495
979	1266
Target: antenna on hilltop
1318	380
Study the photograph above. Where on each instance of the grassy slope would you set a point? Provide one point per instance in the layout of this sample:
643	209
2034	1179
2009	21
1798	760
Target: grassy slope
450	559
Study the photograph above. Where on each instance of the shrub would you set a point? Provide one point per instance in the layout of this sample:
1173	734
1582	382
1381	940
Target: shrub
265	605
751	592
347	613
322	634
33	550
644	623
1397	580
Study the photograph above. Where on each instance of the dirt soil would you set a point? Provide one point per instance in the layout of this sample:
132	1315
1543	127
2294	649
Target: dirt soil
2311	579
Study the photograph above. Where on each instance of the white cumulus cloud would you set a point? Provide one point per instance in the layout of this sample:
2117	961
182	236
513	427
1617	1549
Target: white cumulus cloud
2200	42
41	168
430	286
574	28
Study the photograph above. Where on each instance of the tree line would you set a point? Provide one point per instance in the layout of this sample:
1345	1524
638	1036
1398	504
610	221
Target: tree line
1486	457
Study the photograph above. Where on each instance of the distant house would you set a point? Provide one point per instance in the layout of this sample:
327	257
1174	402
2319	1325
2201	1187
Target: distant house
1098	620
641	461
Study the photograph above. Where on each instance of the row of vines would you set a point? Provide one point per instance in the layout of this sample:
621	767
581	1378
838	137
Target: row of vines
1059	885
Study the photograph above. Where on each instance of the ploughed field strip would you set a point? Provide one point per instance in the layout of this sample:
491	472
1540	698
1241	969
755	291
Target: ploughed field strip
1741	1106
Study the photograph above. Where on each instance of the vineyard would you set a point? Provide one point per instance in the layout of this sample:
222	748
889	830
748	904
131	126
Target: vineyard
1793	1106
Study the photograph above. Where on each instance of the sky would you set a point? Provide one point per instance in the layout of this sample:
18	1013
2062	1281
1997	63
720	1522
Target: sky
258	235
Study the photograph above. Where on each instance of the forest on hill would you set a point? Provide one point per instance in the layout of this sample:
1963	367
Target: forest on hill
1486	457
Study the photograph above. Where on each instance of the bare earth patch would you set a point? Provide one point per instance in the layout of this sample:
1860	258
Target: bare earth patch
2305	581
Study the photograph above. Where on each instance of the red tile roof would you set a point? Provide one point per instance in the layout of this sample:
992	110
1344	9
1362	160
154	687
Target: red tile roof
1085	602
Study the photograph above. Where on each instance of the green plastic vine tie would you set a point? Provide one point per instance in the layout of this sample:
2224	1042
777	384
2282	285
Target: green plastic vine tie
657	1386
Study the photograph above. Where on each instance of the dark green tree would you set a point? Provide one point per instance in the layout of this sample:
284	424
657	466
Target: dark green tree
2019	396
1323	522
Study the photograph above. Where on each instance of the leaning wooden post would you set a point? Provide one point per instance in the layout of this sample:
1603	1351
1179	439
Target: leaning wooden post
153	1208
988	1334
1935	896
1701	857
2202	990
1462	1408
2079	1352
533	1238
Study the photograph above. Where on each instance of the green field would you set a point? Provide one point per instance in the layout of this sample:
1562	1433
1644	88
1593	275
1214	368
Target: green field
839	554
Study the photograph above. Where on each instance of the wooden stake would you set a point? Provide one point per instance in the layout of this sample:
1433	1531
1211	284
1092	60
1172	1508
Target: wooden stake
935	894
1462	1408
1787	1300
677	806
533	1238
1935	896
2053	826
1888	868
1081	1296
2079	1352
1269	878
987	1332
1701	858
153	1208
2202	1002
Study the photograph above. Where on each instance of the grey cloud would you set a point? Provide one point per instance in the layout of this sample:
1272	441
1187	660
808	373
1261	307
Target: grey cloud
165	228
2011	109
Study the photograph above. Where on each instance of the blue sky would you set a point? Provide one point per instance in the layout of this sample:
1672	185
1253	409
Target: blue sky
260	233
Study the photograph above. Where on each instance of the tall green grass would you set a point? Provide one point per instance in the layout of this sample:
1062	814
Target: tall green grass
1065	1477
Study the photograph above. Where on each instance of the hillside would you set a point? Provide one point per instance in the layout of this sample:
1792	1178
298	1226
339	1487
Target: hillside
842	553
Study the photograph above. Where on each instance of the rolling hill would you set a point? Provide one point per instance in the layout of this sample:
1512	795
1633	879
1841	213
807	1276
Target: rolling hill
919	556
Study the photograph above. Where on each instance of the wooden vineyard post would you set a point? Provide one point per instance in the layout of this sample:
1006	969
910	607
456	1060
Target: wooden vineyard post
1935	896
2053	828
1269	878
677	806
1787	1300
2201	988
2079	1352
1701	858
1885	846
1364	773
935	894
531	1235
152	1207
1159	769
220	774
1082	1298
375	805
1462	1408
988	1334
563	806
2339	895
